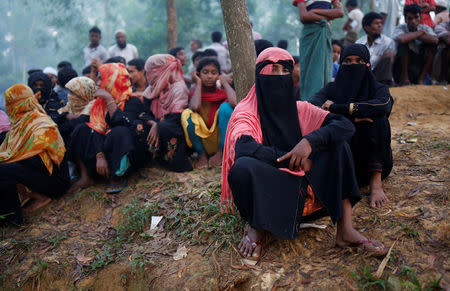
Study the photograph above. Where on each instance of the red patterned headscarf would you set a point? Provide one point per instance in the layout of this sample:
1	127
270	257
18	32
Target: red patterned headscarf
115	80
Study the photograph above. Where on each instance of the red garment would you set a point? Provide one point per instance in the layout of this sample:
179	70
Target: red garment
245	121
115	80
425	16
216	98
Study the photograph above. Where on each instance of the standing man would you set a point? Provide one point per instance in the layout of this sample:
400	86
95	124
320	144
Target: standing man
315	44
354	22
416	45
381	47
222	53
122	48
391	11
94	50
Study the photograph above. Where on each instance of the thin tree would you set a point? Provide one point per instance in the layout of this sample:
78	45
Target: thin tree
172	36
240	45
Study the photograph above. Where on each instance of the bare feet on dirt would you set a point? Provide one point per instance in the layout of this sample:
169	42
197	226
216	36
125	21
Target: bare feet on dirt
349	237
250	245
216	160
36	203
202	162
377	196
82	183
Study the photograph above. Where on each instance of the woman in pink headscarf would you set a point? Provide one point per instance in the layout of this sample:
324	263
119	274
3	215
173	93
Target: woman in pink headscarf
285	160
5	125
164	100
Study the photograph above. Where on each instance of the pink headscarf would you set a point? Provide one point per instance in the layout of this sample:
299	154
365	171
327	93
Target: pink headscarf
245	121
5	125
166	85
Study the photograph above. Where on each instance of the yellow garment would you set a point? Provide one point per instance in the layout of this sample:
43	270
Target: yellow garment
32	132
81	96
210	136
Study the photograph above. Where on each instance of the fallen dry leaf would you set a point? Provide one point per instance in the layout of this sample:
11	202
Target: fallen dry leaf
180	271
181	253
83	259
384	262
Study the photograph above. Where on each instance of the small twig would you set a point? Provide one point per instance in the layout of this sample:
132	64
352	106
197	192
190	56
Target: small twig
215	260
203	252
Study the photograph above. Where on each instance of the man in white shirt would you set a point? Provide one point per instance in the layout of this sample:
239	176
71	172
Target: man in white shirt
122	48
94	50
223	55
381	47
353	25
391	11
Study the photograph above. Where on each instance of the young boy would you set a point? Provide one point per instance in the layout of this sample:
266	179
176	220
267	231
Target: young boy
205	121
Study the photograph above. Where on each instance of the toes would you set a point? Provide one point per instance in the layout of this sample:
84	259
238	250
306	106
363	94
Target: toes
372	204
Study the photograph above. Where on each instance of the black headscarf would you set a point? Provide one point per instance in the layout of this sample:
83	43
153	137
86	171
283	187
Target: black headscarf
277	107
46	91
355	82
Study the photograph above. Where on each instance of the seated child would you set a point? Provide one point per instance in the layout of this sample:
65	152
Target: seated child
205	121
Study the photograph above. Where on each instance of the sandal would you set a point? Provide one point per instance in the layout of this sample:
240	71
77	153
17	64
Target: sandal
253	244
373	247
116	188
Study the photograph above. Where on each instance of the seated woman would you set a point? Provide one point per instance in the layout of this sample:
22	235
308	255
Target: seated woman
278	152
40	82
164	100
32	155
78	108
205	121
106	144
357	95
5	125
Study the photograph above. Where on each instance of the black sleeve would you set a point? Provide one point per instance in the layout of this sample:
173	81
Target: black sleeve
246	146
67	126
133	108
379	105
320	97
147	114
335	128
170	124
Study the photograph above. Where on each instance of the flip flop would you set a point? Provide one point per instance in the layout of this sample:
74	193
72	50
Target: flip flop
116	188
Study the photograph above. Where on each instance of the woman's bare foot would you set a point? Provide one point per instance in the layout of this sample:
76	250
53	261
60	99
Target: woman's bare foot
36	202
216	160
350	237
202	161
250	245
377	196
82	183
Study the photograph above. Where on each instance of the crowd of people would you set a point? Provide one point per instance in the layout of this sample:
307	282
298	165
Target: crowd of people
310	132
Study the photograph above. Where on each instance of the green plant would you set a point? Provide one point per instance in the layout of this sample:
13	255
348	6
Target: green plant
136	217
367	281
411	232
102	259
138	261
56	240
414	283
100	197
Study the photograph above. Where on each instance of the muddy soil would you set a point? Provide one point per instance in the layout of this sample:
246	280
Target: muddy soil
91	241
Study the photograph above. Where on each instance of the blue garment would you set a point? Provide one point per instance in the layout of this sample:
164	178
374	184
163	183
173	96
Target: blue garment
62	94
223	117
335	70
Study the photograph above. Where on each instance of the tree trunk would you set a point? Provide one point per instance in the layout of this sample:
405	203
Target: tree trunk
172	36
373	5
240	45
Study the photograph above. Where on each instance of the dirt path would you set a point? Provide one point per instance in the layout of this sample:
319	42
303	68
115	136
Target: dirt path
91	241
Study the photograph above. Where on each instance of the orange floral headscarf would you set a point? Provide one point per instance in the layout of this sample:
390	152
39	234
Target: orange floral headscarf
81	96
115	80
32	132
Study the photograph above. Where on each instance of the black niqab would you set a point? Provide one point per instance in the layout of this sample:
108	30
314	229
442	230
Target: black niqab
277	108
47	88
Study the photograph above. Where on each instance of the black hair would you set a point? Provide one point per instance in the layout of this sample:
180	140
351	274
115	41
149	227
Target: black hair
197	54
208	61
117	59
86	70
197	41
64	64
138	63
216	36
95	29
413	9
209	53
439	9
296	59
352	3
369	18
337	42
65	75
262	44
33	71
174	51
282	44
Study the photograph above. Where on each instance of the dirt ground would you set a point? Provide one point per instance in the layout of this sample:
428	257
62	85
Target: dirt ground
91	241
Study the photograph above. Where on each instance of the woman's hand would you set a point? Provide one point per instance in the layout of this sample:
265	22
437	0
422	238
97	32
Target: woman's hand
103	94
196	78
153	138
71	116
360	119
102	165
299	156
327	104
